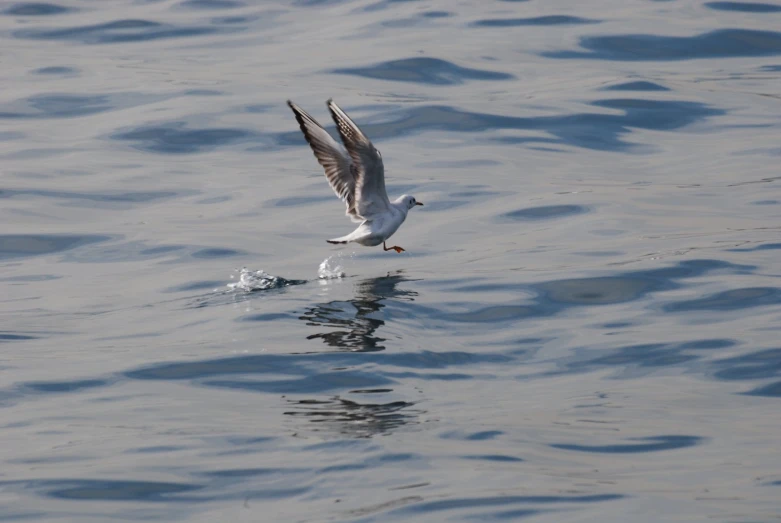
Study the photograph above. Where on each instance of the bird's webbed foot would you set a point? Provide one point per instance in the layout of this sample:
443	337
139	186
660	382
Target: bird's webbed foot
394	248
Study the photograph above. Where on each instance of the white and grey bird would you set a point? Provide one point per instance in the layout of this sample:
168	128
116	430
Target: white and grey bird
357	176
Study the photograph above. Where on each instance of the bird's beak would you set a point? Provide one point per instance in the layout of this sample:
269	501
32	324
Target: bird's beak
418	203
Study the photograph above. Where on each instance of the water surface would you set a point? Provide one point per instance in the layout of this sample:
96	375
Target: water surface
584	326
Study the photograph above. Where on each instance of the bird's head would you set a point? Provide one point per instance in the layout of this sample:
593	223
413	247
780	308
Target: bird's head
410	201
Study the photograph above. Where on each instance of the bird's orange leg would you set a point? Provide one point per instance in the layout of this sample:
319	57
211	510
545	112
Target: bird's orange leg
394	248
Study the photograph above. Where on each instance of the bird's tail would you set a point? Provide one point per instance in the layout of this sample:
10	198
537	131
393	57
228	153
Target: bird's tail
356	235
342	239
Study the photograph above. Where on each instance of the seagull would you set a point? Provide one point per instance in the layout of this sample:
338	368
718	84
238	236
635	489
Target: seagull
357	176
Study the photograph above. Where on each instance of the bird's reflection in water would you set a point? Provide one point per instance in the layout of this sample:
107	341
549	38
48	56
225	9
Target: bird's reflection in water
354	419
359	318
356	321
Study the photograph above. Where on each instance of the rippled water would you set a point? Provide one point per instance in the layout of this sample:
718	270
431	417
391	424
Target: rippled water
584	326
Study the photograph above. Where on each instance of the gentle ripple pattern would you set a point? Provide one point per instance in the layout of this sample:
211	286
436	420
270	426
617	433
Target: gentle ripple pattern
584	325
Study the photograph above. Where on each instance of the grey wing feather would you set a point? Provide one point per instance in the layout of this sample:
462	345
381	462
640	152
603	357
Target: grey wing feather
337	164
368	169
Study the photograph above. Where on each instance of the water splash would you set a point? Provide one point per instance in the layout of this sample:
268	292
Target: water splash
250	281
332	267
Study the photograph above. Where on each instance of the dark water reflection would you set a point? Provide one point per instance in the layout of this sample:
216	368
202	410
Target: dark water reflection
121	490
721	43
640	85
6	336
648	444
118	199
352	418
35	9
71	105
539	20
118	31
598	130
25	245
177	138
744	7
432	71
737	299
759	365
472	503
211	4
556	296
545	212
56	70
321	371
772	390
106	490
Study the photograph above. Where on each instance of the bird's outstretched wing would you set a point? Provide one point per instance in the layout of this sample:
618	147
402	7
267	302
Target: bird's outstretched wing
335	161
367	168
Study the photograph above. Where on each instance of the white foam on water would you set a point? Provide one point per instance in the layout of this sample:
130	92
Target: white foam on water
333	267
255	281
